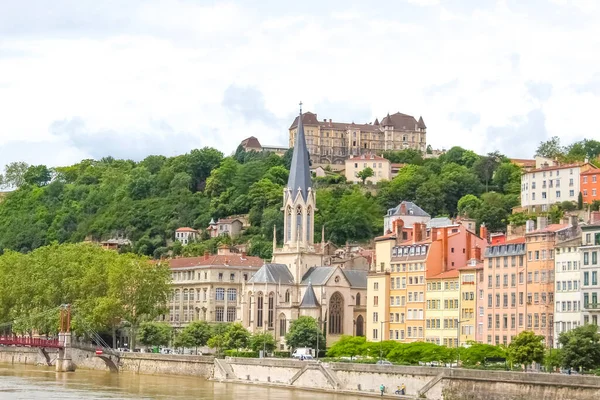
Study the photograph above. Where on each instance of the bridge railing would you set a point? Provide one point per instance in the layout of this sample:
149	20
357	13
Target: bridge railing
30	342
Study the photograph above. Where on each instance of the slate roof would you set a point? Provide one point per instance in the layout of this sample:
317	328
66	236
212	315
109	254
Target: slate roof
357	278
439	222
231	260
411	209
299	178
400	121
421	123
251	143
273	273
309	300
317	275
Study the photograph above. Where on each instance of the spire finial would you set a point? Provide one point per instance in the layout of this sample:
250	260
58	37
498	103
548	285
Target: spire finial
301	107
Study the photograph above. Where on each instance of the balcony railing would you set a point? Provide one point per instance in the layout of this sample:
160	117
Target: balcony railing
592	306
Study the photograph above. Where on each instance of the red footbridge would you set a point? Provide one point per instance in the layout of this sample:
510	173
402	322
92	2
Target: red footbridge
30	342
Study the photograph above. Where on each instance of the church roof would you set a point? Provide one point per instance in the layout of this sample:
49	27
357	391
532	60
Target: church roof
300	168
309	300
273	273
320	276
357	278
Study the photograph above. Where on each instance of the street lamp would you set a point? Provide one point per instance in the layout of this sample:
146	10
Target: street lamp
381	339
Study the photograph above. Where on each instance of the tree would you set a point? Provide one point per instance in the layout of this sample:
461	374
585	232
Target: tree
183	340
365	173
198	333
469	205
154	334
550	148
304	332
38	175
350	346
262	341
14	174
580	201
581	347
236	337
526	348
476	353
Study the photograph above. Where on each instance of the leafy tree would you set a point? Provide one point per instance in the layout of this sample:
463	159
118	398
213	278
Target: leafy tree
350	346
429	149
406	156
486	166
304	332
236	337
581	347
553	359
38	175
476	353
197	334
154	334
262	341
580	201
526	348
14	174
365	173
507	178
469	205
550	148
183	340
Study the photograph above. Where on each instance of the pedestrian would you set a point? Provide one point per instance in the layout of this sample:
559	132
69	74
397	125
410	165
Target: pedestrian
382	388
403	389
569	372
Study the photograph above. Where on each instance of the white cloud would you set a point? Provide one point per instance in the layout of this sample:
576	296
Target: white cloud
205	71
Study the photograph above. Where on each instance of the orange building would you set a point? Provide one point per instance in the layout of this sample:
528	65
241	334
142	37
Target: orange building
590	185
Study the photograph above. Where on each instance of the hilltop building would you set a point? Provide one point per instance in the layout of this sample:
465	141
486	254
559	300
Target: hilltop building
331	142
186	235
253	144
299	281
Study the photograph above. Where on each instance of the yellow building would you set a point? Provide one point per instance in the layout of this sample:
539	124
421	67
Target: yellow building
443	295
382	168
469	302
331	142
378	291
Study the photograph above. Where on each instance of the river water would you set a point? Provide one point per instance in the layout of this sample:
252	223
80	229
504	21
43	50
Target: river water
35	382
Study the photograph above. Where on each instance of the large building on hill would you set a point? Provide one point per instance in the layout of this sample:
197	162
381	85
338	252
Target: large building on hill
331	142
301	280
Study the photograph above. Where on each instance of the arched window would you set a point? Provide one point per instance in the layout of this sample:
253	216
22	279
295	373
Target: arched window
282	325
308	223
249	306
259	309
191	296
177	295
360	326
270	313
288	217
298	223
336	314
287	296
358	299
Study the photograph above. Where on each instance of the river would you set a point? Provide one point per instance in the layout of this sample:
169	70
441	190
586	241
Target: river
36	382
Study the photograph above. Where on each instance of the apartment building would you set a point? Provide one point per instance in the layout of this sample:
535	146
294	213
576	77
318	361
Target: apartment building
502	292
401	270
551	182
568	292
381	167
331	142
590	269
443	311
209	288
469	299
409	212
590	185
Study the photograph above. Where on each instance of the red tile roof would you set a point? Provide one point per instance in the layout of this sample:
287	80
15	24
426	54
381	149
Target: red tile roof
186	229
515	240
591	171
555	167
453	273
232	260
551	228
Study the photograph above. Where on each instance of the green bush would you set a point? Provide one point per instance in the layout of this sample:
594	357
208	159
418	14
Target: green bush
241	354
282	354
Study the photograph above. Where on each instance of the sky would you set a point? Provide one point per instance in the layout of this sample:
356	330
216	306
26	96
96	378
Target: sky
129	78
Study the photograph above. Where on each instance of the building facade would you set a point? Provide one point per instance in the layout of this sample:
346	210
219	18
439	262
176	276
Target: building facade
333	142
381	167
300	280
209	288
409	212
186	235
590	185
568	290
590	269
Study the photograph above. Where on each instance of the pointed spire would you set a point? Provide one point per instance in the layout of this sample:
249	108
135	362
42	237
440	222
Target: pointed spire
274	238
376	122
323	239
387	121
309	300
299	178
421	123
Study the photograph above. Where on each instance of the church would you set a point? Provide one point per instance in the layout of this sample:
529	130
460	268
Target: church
300	280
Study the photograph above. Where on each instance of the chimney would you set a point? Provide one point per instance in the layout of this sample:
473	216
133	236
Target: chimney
403	209
483	232
243	255
468	245
542	222
206	254
477	253
398	225
445	249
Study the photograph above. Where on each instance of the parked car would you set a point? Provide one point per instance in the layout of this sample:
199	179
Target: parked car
307	357
302	351
384	362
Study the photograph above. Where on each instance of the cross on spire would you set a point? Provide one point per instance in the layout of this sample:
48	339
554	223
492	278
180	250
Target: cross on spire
300	107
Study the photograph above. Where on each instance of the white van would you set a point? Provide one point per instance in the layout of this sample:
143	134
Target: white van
302	351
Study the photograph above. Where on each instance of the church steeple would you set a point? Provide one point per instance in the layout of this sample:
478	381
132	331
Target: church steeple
299	202
299	179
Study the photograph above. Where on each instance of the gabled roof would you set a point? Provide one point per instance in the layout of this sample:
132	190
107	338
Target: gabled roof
299	178
357	278
231	260
309	300
411	209
273	273
317	275
186	229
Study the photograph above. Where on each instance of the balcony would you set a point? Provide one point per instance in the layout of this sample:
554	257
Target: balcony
591	306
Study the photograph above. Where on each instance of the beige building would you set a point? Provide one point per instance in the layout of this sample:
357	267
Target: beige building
186	235
381	168
300	280
443	313
331	142
253	144
209	288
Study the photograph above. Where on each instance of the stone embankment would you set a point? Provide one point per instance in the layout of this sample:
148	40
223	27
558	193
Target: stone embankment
357	379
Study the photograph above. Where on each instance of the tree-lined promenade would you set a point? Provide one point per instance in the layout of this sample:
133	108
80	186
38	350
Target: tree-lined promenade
106	290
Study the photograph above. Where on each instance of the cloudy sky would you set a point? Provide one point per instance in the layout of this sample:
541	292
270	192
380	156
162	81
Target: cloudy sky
127	78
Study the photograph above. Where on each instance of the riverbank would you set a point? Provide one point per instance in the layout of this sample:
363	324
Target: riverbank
363	380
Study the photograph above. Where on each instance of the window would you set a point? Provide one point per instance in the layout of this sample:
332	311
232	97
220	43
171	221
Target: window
375	300
219	310
376	286
259	309
586	279
231	294
270	313
220	294
594	278
375	317
231	314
